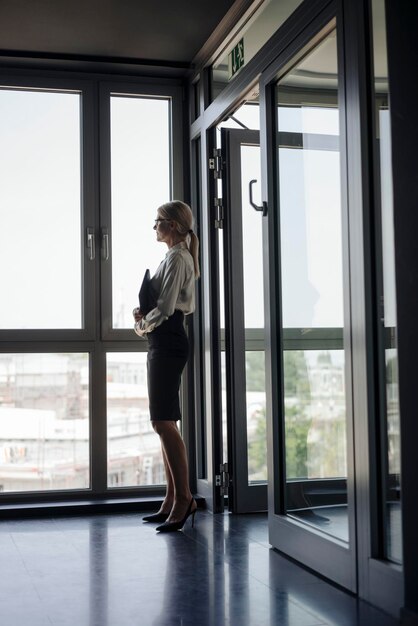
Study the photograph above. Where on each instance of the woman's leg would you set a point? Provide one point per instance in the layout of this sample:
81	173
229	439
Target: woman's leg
176	457
168	501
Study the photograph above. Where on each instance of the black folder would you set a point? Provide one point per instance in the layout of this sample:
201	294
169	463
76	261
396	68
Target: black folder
144	295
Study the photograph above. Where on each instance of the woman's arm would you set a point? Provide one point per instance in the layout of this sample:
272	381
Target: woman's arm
171	285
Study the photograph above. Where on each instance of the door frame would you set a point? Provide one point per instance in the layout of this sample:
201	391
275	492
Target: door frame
381	582
243	497
208	407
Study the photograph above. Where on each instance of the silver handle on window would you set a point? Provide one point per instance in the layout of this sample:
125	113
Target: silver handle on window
91	244
105	244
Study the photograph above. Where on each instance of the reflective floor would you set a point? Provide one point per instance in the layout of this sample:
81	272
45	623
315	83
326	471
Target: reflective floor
114	570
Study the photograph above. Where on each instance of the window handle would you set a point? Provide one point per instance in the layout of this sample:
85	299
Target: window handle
253	204
91	244
105	244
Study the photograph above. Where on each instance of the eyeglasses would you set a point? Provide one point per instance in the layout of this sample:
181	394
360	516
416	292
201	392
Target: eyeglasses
157	221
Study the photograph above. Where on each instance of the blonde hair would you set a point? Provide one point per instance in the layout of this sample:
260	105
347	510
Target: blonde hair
180	213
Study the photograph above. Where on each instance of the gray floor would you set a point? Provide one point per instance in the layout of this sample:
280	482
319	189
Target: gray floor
117	571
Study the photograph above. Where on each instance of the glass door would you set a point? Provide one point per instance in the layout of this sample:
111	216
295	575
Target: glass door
311	500
244	321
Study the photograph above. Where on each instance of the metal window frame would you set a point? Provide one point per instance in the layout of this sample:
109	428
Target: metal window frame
89	340
28	81
175	96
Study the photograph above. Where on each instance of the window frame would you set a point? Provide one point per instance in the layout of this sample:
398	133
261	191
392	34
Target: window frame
90	339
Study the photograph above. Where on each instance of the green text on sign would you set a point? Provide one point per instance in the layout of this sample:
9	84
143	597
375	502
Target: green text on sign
236	58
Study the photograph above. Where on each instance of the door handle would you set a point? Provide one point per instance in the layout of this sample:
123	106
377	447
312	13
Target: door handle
255	206
91	244
105	244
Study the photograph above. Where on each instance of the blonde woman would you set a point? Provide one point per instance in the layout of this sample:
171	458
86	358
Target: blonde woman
172	289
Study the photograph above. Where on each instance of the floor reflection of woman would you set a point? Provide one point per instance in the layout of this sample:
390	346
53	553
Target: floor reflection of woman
172	289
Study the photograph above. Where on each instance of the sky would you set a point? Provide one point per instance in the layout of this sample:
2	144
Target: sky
40	260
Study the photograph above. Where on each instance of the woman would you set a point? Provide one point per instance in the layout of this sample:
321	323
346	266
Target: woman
172	288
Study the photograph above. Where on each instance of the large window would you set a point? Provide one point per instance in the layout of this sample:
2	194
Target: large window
140	181
84	165
134	452
40	209
44	422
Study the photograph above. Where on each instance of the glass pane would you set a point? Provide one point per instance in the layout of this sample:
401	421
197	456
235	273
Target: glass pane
252	239
315	429
312	288
256	416
40	210
311	238
224	416
44	422
310	193
257	31
141	182
133	448
391	417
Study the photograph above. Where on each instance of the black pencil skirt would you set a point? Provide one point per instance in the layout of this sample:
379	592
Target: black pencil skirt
168	350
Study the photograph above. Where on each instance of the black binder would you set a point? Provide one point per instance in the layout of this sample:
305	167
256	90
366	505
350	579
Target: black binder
144	295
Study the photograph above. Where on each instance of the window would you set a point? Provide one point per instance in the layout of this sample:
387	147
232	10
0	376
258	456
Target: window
77	210
44	421
40	209
140	182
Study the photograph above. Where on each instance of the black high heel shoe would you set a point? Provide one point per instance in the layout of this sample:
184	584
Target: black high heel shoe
156	517
170	527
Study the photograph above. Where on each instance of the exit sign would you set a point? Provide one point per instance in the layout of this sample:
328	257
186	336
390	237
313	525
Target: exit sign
236	58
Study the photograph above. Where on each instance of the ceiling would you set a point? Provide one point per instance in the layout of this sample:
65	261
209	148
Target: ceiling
167	32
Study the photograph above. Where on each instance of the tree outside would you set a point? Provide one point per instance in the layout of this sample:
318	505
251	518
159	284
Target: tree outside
315	419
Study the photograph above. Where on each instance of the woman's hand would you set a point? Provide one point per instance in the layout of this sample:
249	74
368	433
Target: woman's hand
138	315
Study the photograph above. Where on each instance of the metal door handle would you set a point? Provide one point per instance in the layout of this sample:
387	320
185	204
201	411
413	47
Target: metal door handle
255	206
105	244
91	244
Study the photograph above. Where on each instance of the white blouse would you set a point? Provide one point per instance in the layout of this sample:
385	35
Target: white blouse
173	287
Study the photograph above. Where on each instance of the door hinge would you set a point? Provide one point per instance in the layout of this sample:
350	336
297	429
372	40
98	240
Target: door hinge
219	213
216	163
222	479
